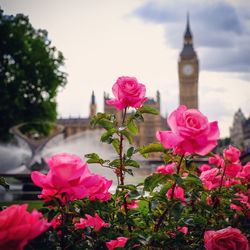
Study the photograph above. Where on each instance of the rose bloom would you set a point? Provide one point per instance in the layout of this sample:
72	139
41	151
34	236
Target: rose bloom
95	222
191	133
211	178
225	239
128	93
69	179
216	160
184	230
18	226
204	167
166	169
232	169
178	193
231	154
245	172
131	204
119	242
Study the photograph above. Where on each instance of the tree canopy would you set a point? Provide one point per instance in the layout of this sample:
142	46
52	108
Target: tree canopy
31	71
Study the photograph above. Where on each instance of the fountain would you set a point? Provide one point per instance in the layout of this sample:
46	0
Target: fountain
20	161
32	138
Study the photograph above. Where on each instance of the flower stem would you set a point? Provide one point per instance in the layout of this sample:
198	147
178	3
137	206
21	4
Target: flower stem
121	169
216	200
162	217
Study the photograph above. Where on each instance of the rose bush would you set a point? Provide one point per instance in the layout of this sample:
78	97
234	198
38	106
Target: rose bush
181	205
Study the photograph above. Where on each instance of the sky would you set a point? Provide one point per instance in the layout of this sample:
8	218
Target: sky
102	40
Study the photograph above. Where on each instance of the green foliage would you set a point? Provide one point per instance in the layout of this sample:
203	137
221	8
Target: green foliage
3	183
151	215
30	75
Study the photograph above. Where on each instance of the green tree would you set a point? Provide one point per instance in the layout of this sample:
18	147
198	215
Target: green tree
31	71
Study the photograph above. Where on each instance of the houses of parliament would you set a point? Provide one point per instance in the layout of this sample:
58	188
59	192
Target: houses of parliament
188	71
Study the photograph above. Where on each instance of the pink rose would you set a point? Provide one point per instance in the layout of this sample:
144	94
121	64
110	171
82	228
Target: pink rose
131	204
184	230
18	226
178	193
98	187
128	93
204	167
191	133
119	242
231	154
56	221
95	222
210	178
225	239
230	182
232	169
235	207
166	169
245	172
69	179
216	160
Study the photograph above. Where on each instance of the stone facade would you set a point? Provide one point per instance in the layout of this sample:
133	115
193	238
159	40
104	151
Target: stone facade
147	129
240	131
188	71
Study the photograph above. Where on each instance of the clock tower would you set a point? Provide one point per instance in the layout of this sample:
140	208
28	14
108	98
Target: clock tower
188	69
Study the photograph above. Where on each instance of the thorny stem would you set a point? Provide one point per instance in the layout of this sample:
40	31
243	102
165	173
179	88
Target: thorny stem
63	218
222	177
216	200
162	217
121	173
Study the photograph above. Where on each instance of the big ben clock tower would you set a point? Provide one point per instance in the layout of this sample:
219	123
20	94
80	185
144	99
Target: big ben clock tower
188	69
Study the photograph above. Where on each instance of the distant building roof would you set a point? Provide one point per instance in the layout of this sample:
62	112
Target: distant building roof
70	120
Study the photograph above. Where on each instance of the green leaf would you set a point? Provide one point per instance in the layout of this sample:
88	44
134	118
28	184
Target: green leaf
130	152
152	181
99	116
107	136
95	158
115	163
106	124
132	163
116	145
148	109
92	156
128	136
132	127
129	187
192	179
150	148
177	210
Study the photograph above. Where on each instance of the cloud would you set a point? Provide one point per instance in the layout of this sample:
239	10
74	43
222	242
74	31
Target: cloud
221	30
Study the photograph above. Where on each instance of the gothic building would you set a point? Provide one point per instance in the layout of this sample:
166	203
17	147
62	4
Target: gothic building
188	70
147	129
240	131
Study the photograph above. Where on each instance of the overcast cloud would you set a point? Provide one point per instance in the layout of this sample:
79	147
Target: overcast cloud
220	28
102	40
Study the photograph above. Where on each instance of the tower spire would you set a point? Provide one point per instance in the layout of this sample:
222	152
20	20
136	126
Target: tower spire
93	98
92	106
188	34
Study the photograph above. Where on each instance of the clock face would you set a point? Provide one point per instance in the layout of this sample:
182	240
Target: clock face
188	69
